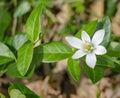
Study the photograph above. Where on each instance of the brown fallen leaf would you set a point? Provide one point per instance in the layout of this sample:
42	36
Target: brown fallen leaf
116	22
97	9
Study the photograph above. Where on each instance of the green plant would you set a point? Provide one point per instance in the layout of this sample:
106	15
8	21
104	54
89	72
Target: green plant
21	54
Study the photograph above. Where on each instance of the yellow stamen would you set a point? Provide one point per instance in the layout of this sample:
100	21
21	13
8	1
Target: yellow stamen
88	47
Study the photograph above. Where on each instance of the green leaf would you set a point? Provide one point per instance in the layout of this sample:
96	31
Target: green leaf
52	52
8	40
33	24
89	28
22	9
15	93
2	96
106	25
24	90
110	7
19	40
114	49
3	69
5	19
74	68
117	68
16	74
25	54
5	54
94	74
105	62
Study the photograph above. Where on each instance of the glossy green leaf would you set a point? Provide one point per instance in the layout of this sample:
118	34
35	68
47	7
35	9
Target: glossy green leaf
114	49
52	52
5	54
89	28
33	24
25	54
16	74
15	93
105	62
74	68
24	90
5	19
106	25
94	74
19	40
22	9
111	7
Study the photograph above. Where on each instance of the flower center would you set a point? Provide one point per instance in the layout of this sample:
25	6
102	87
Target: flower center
88	47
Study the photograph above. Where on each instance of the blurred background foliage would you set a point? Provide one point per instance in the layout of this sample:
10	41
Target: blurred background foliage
61	17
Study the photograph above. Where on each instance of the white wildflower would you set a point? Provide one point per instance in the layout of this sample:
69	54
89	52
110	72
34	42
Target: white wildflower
88	47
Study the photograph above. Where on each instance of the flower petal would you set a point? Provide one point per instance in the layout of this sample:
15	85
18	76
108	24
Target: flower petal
85	37
98	37
100	50
74	42
78	54
91	60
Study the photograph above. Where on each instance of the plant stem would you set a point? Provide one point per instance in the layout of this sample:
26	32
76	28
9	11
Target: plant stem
14	25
